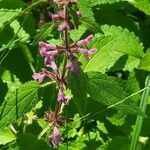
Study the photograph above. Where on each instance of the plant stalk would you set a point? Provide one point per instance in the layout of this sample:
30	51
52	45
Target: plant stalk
139	120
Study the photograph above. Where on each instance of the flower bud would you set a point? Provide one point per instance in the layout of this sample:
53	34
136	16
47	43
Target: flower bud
78	14
64	26
55	16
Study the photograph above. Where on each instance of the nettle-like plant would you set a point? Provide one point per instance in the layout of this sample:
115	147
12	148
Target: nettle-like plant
90	61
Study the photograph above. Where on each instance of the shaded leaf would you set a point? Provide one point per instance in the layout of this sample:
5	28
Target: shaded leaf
145	62
21	101
143	5
108	91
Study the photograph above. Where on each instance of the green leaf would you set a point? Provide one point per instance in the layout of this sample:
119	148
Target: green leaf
43	33
87	15
78	88
7	15
22	35
145	62
74	145
143	5
116	142
31	142
6	136
12	83
117	119
9	9
109	91
100	2
115	43
20	101
77	33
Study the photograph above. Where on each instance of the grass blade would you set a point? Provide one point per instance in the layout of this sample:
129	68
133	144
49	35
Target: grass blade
139	120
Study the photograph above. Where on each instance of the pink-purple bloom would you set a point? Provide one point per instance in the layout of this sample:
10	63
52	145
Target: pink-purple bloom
50	62
85	41
64	26
74	65
56	137
61	98
47	46
40	76
55	16
88	52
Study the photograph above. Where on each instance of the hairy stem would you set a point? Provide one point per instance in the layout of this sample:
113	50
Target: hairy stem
66	44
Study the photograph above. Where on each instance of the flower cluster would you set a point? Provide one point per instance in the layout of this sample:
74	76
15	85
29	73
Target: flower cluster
49	52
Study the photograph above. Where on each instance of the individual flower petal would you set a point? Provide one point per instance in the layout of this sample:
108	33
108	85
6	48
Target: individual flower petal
56	137
45	53
81	42
89	38
39	76
47	46
85	41
50	62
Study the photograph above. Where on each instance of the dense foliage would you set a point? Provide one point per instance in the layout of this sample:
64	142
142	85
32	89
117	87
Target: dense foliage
102	68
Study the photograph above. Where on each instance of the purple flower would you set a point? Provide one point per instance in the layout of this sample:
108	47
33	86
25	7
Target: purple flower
64	26
81	42
47	46
85	41
89	38
74	65
88	52
56	137
50	62
55	16
45	53
61	98
40	76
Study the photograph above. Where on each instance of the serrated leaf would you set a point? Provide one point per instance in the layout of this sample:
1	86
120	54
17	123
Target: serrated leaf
78	88
115	43
143	5
87	15
20	101
9	9
108	91
43	33
145	62
6	136
12	83
22	35
7	15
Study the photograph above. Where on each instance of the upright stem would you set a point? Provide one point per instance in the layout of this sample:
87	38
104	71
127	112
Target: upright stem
66	44
139	120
